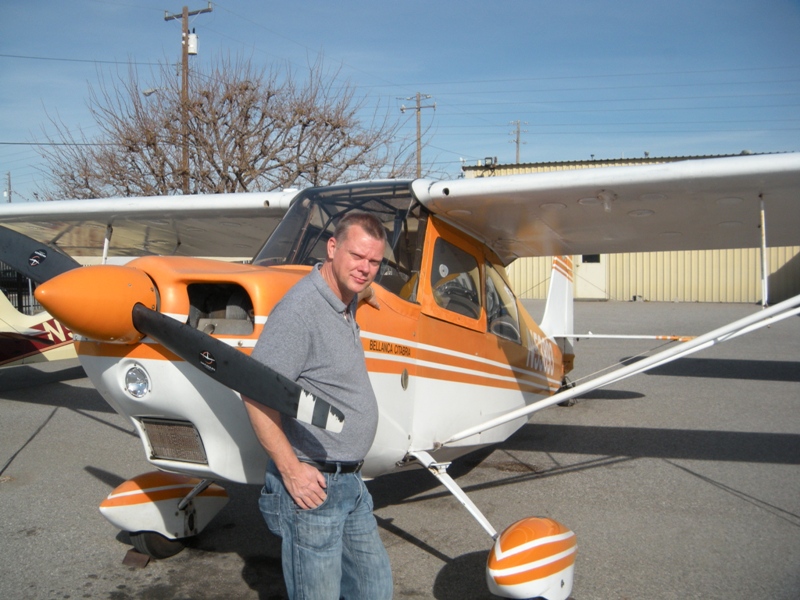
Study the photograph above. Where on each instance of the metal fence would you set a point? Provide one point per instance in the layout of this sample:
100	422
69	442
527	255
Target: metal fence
18	290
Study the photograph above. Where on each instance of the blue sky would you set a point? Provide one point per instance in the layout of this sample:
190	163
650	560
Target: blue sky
586	78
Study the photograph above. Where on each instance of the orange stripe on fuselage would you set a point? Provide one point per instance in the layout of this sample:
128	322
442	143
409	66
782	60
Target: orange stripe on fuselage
142	351
384	356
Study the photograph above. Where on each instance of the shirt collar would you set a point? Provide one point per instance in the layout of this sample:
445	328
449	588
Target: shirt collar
327	293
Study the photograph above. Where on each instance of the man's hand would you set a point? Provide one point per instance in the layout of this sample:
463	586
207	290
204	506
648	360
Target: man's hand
306	485
368	295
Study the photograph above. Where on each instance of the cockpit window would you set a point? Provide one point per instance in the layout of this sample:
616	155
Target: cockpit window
501	306
302	236
455	280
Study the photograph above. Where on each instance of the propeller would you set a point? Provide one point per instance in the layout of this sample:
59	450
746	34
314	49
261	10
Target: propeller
236	370
35	260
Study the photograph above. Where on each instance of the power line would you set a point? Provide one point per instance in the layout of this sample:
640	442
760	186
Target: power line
59	143
592	76
81	60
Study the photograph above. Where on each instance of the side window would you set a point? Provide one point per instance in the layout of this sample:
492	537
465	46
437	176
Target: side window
501	307
399	272
455	280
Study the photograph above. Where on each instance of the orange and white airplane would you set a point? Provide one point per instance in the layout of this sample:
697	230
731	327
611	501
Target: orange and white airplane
456	362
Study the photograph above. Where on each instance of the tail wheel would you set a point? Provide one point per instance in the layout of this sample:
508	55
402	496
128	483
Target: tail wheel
566	384
155	545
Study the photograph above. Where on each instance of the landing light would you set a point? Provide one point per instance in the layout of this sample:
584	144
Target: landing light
137	382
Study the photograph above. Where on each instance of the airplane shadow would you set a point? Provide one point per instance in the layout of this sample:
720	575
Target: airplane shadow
399	487
640	442
727	368
610	394
463	578
28	376
18	383
240	529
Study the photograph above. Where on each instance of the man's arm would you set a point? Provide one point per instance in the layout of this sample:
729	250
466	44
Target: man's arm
304	483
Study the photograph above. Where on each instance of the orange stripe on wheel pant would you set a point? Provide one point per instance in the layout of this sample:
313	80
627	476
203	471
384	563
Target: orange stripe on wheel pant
536	573
146	496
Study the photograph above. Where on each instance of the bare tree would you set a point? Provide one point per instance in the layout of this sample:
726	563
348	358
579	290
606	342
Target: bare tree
247	129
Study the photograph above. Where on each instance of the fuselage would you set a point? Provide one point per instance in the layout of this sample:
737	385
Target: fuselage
448	348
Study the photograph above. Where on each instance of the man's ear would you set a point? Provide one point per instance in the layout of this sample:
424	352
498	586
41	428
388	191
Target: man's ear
331	247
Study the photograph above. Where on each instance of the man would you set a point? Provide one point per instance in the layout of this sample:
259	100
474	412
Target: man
314	497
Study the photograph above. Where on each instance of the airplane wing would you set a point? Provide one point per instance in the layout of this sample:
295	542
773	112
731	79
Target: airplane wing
219	225
685	205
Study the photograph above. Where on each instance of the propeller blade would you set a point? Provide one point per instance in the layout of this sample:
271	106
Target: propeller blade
236	370
35	260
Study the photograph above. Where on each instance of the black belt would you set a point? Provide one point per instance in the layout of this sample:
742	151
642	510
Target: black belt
334	467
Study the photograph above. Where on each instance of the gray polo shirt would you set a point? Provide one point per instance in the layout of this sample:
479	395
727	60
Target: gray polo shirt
312	338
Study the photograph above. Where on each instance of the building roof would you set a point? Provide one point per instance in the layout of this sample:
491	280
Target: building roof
580	164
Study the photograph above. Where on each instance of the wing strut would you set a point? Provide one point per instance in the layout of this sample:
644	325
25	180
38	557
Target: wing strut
439	470
768	316
764	271
107	242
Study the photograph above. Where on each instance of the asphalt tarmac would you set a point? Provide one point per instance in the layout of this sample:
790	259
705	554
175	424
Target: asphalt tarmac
683	483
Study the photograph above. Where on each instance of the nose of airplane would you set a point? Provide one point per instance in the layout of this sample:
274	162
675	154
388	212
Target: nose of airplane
97	302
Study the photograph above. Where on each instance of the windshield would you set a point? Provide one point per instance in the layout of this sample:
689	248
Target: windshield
302	236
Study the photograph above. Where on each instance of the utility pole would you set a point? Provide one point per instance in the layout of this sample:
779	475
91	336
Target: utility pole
184	16
517	136
419	108
8	188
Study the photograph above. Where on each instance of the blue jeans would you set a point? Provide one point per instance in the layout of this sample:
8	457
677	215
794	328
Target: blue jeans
332	551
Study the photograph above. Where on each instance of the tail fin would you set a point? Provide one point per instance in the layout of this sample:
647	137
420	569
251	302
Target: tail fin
11	320
33	338
557	321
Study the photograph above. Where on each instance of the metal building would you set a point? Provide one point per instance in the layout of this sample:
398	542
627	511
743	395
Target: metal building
692	276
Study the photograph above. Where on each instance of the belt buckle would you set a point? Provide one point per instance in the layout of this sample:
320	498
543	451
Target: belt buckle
345	467
334	466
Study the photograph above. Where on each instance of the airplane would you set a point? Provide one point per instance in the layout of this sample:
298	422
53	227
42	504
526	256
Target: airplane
456	362
26	339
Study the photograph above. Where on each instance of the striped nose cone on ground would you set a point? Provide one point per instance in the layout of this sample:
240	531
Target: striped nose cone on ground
533	558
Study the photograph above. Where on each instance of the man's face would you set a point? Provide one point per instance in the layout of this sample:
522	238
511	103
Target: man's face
354	261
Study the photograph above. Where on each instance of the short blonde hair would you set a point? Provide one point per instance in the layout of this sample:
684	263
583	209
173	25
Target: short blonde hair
367	221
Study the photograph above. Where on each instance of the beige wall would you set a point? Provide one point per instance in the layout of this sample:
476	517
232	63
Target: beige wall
697	276
704	276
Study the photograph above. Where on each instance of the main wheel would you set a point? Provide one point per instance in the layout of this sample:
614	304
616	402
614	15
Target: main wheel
155	545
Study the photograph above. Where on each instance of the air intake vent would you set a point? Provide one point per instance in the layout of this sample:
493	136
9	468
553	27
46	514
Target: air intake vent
220	308
174	440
